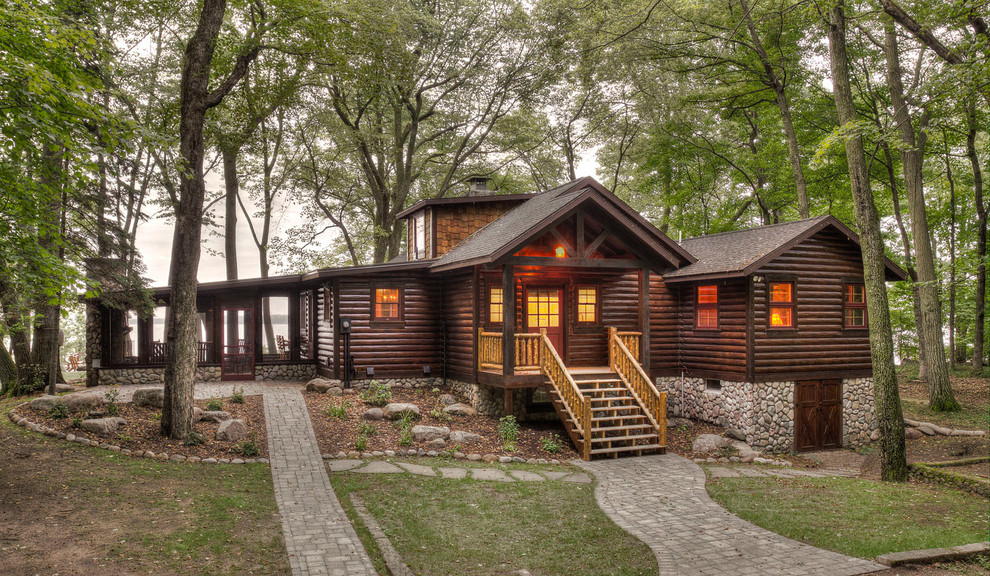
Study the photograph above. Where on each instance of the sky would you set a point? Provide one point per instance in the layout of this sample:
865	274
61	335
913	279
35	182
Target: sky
154	237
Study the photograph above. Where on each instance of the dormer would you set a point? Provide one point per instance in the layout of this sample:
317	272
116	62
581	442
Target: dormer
435	226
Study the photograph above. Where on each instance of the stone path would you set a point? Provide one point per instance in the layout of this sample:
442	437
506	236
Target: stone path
662	501
451	470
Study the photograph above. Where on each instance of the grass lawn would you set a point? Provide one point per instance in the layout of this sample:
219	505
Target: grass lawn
69	509
971	417
445	526
856	517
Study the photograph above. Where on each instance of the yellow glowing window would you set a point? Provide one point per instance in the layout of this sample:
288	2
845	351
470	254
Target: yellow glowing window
495	305
543	308
587	305
387	303
854	306
706	314
781	305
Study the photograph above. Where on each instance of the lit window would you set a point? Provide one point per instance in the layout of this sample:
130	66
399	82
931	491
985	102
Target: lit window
854	306
587	305
781	305
387	303
495	305
543	308
707	308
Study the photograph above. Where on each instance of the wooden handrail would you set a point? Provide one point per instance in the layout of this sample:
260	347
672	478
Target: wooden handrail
577	405
527	352
654	402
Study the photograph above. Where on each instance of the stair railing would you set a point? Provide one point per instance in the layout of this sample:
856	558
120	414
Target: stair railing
577	405
654	402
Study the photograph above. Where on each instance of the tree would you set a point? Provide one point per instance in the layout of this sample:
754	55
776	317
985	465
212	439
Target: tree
893	461
196	98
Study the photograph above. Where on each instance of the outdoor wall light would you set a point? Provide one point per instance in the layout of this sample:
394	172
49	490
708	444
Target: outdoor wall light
426	370
371	371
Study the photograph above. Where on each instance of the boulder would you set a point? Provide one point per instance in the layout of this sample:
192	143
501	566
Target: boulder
461	437
59	388
736	433
197	414
372	414
335	391
912	433
232	430
83	401
150	397
436	444
447	399
926	430
744	451
676	422
489	458
427	433
318	385
460	410
395	410
707	443
102	425
214	416
43	403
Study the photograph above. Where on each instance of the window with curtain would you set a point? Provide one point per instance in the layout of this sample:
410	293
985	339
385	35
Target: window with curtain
781	304
706	308
386	304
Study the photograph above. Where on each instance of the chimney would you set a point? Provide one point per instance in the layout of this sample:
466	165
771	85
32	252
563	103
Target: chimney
478	186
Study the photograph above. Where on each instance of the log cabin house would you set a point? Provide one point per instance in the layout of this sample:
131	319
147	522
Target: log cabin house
567	296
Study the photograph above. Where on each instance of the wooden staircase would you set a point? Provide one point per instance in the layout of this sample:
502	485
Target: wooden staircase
607	411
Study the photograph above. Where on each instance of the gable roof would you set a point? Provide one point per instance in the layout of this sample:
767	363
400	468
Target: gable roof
507	234
461	200
742	252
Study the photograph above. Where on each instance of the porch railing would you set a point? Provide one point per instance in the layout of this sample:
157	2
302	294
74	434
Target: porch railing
622	360
159	349
527	352
576	404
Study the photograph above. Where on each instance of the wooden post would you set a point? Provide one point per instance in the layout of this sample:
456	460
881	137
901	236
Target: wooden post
543	334
644	319
481	351
611	335
507	401
508	320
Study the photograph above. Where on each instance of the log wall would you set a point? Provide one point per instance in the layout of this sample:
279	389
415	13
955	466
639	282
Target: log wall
720	353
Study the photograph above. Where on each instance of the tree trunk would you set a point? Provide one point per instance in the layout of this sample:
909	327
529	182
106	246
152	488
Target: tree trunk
785	114
893	462
8	372
232	188
980	316
47	316
952	256
180	361
912	152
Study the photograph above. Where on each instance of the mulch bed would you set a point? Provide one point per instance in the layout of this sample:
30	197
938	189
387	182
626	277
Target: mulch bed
335	436
143	429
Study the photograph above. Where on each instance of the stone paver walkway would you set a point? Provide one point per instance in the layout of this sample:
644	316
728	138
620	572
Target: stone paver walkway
662	501
452	470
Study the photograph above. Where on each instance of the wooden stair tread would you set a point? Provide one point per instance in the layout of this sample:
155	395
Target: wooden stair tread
620	428
623	417
589	390
635	448
617	438
611	398
633	407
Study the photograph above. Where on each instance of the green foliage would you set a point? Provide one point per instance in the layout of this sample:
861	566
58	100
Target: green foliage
77	422
237	397
194	439
338	411
405	424
112	409
438	413
214	405
157	416
58	411
367	429
551	444
248	448
376	394
508	432
361	443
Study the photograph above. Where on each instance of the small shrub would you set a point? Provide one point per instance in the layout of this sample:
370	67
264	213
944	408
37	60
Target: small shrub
439	414
367	429
157	416
361	443
404	421
551	443
194	439
248	447
58	411
508	429
338	411
237	397
406	437
376	394
77	422
112	409
124	438
214	405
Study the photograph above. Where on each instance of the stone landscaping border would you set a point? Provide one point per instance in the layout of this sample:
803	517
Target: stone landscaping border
396	565
937	475
27	424
932	555
487	458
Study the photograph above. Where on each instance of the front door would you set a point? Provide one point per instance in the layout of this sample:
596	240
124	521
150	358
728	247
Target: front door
237	361
545	309
818	414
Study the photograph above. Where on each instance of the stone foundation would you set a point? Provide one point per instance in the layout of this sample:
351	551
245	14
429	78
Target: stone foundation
156	374
764	412
392	382
291	372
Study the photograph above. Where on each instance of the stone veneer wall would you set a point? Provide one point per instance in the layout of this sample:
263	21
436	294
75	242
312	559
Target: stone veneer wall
94	347
764	412
156	374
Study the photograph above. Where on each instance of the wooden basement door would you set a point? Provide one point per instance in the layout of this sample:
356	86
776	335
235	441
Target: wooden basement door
818	411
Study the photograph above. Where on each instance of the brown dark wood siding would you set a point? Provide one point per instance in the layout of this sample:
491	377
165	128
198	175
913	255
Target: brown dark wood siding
717	353
324	327
664	353
458	314
818	347
393	349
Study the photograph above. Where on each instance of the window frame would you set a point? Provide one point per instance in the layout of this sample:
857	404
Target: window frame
699	306
417	252
399	319
792	305
855	306
488	304
577	305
